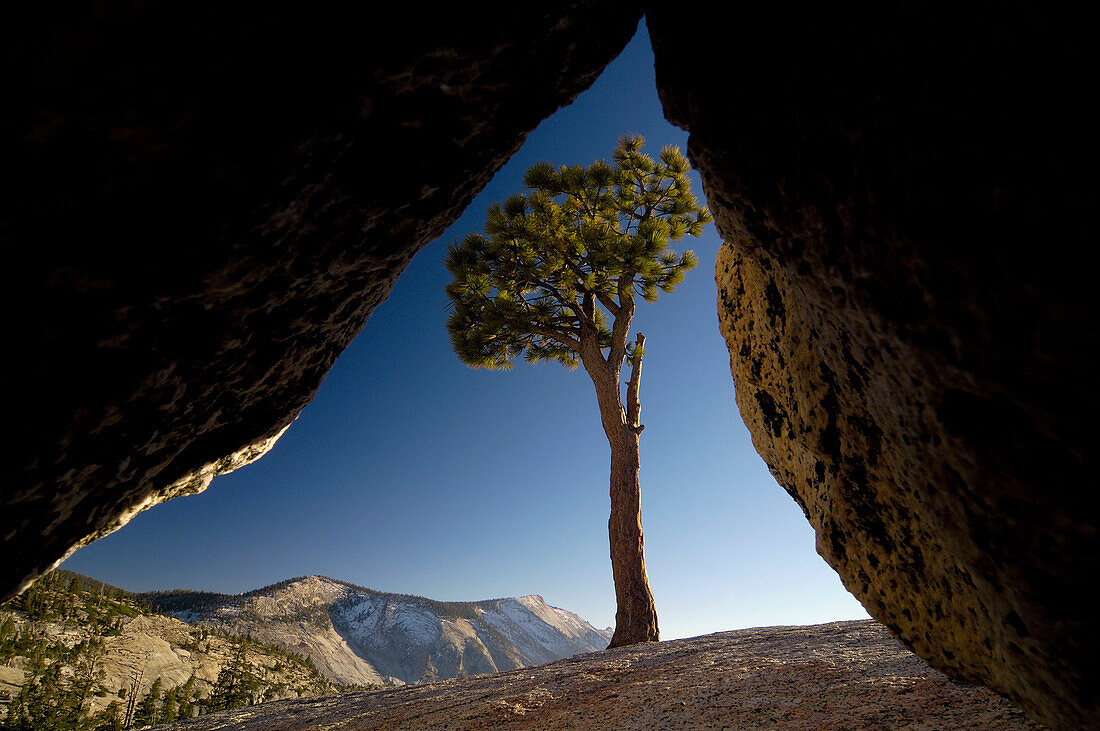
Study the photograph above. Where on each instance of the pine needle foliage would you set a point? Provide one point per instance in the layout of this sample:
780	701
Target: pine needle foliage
555	275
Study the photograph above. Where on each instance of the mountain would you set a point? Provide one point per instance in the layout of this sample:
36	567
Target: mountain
358	636
78	653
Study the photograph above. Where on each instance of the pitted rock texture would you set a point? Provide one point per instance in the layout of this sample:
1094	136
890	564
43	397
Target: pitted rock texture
202	204
845	675
909	336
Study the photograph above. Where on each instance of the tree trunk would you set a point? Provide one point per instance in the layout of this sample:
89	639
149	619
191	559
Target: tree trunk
636	616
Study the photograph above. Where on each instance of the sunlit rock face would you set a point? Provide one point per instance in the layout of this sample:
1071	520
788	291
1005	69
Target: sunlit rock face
208	200
909	324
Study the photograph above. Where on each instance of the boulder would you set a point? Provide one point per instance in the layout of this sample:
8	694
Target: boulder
903	192
202	204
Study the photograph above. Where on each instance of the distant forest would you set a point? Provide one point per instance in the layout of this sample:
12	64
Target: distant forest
201	602
63	672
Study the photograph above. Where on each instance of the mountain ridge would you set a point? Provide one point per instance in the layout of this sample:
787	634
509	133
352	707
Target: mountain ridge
361	636
228	598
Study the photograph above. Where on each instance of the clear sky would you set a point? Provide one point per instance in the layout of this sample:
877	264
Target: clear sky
412	473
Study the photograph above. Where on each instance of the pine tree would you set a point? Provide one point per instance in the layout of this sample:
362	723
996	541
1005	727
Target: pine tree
58	681
110	718
43	702
187	696
169	711
86	676
555	278
146	711
235	683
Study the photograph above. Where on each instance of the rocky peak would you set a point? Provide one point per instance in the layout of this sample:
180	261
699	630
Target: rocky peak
359	636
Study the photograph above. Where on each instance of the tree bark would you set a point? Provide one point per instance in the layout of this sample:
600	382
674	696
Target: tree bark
636	616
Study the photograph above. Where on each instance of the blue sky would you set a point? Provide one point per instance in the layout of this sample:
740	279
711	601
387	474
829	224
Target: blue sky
412	473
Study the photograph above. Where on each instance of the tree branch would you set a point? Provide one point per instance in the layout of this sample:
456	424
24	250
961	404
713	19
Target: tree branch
588	311
621	328
633	401
607	302
565	340
561	298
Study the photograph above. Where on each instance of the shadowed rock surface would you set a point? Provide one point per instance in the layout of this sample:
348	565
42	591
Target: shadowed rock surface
901	190
830	676
208	201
